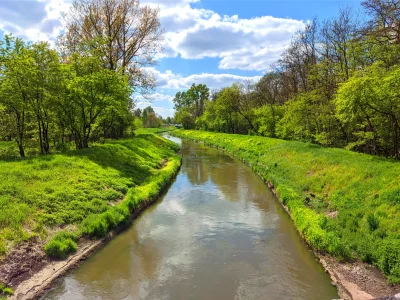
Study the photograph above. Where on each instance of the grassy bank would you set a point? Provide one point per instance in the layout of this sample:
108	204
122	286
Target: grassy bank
61	197
344	203
154	130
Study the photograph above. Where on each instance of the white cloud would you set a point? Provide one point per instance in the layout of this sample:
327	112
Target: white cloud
32	19
191	33
169	80
247	44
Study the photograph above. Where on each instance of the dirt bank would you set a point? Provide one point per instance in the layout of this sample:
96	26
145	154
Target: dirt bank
30	273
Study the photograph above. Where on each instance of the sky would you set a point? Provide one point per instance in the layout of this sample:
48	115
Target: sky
212	42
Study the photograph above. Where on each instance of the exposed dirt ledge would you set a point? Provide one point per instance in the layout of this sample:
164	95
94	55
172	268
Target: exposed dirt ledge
36	277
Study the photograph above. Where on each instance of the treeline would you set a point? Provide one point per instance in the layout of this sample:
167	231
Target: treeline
82	90
337	84
147	118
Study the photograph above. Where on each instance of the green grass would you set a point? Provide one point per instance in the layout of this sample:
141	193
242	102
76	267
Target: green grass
344	203
5	291
84	193
154	130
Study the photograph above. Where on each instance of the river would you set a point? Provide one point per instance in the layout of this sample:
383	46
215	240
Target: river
217	233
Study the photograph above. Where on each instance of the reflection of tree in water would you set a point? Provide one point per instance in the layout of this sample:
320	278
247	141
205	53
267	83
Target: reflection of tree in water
234	180
195	165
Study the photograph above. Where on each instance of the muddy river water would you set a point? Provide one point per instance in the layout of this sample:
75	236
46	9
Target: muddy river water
217	233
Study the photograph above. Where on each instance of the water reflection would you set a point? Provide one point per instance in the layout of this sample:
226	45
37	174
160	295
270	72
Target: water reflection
217	234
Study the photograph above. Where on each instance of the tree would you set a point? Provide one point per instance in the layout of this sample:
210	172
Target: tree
370	100
192	102
13	91
385	22
41	79
131	33
92	90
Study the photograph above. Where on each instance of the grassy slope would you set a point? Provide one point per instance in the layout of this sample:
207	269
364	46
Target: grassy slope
154	130
344	203
81	191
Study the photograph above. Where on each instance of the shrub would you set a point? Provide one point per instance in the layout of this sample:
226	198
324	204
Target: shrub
95	226
61	245
389	260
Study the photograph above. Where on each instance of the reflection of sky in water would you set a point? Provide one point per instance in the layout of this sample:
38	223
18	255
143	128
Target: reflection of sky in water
217	234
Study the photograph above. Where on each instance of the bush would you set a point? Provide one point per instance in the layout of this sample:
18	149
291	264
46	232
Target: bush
61	245
389	260
95	226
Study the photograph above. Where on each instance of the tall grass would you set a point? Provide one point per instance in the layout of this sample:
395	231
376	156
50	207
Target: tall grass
344	203
92	189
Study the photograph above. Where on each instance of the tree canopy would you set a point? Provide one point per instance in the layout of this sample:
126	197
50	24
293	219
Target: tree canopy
337	85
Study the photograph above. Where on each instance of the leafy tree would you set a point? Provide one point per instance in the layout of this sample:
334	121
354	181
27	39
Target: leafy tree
92	90
192	103
131	32
369	102
13	89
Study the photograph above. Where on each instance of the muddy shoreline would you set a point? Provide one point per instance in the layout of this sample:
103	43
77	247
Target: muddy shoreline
354	280
33	273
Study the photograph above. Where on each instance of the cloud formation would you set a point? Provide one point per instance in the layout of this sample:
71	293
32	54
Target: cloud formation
246	44
191	33
32	20
171	81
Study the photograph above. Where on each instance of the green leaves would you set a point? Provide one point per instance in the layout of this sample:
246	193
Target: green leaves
369	103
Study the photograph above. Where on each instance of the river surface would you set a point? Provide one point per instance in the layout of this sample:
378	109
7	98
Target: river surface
217	233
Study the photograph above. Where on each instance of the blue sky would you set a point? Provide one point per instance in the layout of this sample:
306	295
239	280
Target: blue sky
216	42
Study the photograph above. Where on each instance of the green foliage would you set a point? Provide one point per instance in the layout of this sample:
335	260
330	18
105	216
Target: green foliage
154	130
342	203
61	245
43	99
87	188
189	105
5	291
389	259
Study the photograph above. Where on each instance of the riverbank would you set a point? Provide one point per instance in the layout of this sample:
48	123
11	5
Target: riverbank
344	204
154	130
57	205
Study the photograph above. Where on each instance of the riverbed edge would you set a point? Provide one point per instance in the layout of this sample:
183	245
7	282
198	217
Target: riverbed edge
347	290
41	281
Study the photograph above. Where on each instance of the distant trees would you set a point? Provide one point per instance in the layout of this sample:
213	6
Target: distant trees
189	105
337	84
147	118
